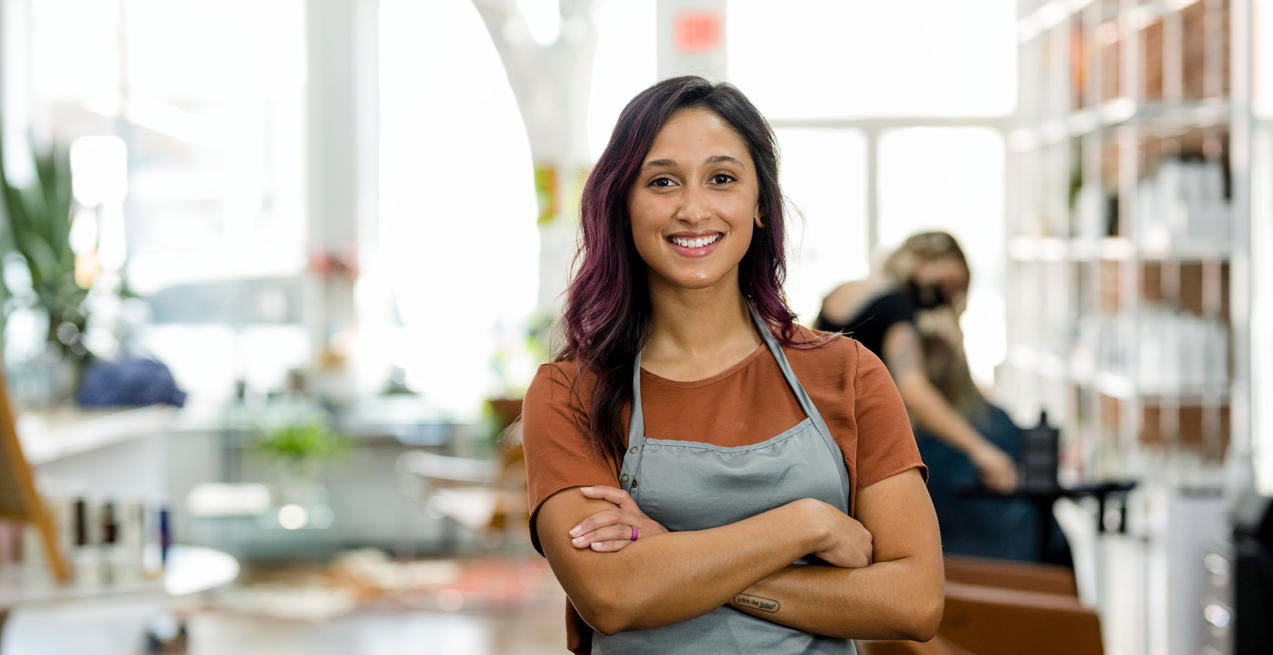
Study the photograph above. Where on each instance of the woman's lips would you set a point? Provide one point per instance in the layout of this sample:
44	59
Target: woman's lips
695	245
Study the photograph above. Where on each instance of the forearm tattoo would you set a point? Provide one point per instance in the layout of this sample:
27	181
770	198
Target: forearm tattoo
758	603
902	351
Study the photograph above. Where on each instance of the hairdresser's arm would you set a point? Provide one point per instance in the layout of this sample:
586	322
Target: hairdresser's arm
905	360
673	577
899	596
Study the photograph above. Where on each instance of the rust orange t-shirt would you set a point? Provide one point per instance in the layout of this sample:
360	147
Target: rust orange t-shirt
750	402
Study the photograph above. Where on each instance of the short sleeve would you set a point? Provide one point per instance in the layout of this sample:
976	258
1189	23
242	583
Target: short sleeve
555	439
885	443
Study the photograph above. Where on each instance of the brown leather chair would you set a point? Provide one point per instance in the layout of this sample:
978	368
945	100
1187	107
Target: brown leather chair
1004	574
937	646
995	621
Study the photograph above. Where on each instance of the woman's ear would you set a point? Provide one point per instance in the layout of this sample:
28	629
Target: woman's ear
760	220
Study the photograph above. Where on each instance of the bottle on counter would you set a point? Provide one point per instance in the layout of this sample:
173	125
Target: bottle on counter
86	556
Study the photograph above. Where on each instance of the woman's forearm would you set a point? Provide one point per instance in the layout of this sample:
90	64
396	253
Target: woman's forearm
934	414
672	577
902	599
900	596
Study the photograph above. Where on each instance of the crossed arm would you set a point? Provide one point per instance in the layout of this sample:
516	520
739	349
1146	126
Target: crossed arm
668	578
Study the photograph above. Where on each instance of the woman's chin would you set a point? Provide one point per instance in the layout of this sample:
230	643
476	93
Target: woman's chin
699	280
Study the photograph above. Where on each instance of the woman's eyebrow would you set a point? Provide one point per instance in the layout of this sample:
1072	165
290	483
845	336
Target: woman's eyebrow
720	159
659	163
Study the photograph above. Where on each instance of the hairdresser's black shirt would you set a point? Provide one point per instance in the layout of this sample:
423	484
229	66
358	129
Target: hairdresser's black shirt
872	322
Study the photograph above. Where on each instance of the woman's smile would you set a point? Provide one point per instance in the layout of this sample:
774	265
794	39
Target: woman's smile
699	243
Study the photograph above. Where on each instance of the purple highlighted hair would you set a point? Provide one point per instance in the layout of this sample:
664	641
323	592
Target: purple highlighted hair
607	312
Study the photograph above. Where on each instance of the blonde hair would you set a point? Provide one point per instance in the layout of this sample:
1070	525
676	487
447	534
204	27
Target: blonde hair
902	263
946	363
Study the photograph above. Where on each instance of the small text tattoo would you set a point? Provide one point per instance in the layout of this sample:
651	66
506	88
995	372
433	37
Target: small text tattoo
756	602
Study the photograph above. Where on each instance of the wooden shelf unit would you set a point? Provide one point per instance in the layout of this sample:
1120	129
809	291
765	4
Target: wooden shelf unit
1119	319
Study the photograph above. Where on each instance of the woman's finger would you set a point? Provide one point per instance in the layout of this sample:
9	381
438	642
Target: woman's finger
608	533
600	520
612	494
609	546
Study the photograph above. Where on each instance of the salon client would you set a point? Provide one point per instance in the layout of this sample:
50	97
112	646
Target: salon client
705	475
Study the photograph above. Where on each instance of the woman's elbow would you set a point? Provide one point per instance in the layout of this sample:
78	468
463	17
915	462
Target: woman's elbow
606	613
922	623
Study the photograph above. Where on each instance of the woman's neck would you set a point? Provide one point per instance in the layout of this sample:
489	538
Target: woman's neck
697	333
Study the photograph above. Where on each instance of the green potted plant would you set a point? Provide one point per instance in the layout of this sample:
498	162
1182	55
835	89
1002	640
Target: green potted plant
299	451
38	225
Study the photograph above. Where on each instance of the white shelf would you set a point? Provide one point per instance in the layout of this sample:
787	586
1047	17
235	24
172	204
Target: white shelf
1052	249
1114	385
61	433
1121	111
1054	13
190	570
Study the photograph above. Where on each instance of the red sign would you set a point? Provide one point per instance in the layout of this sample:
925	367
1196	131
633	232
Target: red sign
696	31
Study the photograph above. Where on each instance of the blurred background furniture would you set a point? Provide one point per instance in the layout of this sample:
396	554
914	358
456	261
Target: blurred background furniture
486	496
935	646
1001	608
107	619
997	607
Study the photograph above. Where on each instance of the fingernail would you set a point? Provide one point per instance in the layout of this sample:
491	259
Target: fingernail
574	532
577	540
588	489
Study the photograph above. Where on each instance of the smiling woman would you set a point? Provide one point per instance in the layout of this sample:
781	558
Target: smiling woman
753	484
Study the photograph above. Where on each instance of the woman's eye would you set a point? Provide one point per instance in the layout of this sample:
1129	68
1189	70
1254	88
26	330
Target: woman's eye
661	182
722	178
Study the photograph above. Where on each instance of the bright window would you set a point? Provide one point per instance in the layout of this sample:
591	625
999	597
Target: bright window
952	179
824	177
624	64
458	243
848	58
209	99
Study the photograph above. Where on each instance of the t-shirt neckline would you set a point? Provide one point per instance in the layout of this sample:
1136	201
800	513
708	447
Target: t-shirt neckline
691	384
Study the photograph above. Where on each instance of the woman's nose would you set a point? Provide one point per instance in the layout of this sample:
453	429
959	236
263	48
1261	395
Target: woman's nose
694	207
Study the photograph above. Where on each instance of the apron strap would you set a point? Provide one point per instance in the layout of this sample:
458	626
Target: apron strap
636	435
805	402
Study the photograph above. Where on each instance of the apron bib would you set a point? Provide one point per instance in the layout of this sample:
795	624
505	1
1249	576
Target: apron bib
686	485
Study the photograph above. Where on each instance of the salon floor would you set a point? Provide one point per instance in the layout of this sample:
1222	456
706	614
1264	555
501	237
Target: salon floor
529	631
493	606
363	604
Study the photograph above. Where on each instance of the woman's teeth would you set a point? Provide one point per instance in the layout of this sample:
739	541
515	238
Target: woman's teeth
695	243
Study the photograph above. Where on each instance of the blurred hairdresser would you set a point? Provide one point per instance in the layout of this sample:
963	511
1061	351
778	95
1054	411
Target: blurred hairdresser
928	271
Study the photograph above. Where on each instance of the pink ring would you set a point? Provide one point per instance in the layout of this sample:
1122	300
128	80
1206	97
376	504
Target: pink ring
634	533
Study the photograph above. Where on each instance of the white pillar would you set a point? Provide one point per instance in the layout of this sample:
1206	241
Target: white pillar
342	156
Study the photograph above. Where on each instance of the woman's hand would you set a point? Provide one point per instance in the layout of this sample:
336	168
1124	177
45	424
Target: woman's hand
998	471
846	543
611	530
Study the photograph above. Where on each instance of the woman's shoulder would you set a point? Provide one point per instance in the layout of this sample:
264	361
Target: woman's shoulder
824	351
559	383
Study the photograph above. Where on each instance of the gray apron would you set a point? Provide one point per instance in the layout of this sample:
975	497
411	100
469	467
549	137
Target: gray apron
687	485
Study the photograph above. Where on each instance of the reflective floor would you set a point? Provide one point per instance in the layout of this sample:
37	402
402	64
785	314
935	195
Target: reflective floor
490	606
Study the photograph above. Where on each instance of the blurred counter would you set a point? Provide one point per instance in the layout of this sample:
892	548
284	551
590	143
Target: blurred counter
161	453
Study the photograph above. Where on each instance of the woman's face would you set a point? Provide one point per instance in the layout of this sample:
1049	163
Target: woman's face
695	202
946	273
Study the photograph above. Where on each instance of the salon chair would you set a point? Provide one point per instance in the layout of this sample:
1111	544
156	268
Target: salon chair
998	607
1004	574
936	646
